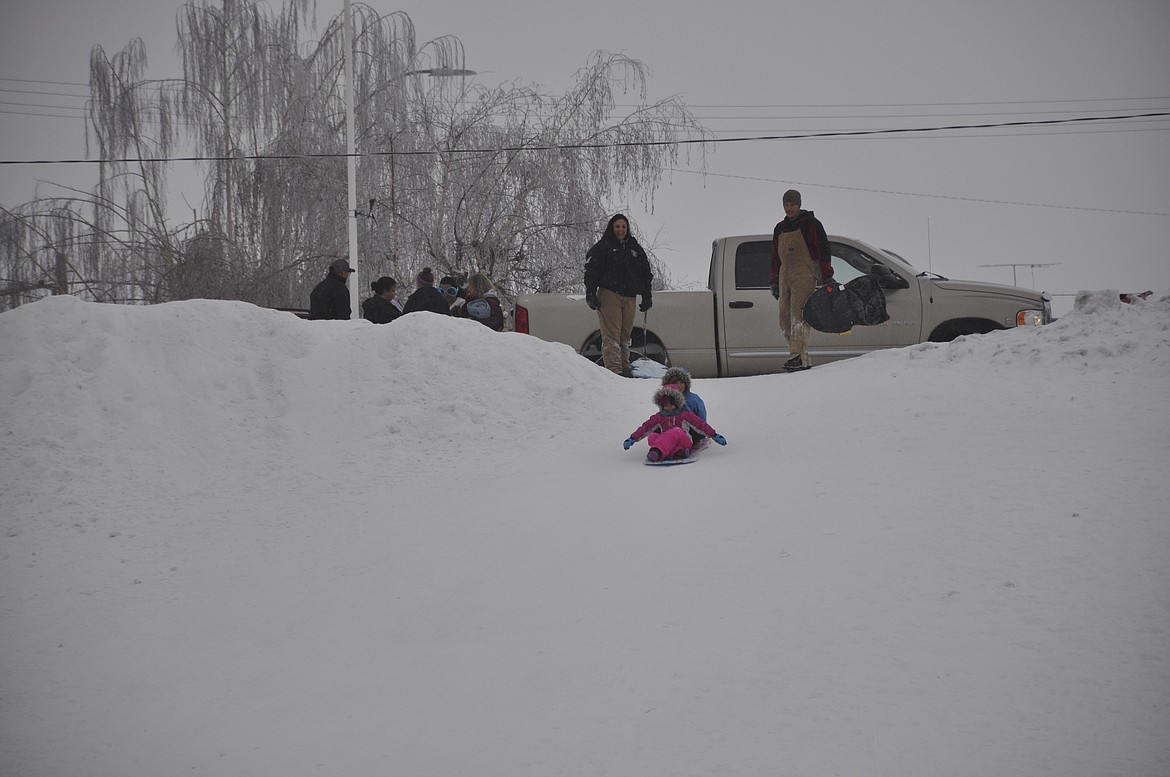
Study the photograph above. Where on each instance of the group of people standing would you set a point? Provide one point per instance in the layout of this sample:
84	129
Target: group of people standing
617	272
478	300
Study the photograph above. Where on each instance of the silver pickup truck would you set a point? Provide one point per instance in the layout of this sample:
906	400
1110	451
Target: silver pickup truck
732	328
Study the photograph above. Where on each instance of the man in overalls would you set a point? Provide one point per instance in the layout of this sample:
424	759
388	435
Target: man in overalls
801	261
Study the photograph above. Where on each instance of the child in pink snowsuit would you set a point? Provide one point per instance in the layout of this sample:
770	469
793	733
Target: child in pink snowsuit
668	431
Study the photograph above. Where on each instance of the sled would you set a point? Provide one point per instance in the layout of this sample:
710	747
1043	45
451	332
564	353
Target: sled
698	448
671	462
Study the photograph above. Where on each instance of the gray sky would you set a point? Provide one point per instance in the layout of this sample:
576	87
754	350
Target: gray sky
1079	195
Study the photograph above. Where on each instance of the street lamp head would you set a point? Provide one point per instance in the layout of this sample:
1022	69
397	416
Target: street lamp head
441	72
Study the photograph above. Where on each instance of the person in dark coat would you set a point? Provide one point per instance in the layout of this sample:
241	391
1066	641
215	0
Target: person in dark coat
483	304
426	296
380	308
617	270
329	300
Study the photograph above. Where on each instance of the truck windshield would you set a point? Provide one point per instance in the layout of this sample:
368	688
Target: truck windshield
901	259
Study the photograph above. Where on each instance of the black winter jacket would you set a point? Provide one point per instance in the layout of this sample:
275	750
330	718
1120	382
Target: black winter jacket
427	298
621	267
379	310
330	299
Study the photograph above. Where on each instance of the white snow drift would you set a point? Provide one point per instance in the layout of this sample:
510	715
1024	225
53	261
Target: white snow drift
238	543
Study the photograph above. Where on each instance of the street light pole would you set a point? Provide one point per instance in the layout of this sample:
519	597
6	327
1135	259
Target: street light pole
351	151
351	164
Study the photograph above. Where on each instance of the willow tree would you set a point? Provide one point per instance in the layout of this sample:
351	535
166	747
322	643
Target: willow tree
450	173
114	243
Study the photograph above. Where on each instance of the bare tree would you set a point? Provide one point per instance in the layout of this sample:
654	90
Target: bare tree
451	174
514	183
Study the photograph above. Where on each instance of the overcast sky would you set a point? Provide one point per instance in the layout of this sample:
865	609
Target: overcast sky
1092	199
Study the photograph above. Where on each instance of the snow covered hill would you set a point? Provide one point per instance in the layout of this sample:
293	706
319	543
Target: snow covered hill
238	543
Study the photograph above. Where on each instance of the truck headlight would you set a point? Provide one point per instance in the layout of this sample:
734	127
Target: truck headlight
1030	318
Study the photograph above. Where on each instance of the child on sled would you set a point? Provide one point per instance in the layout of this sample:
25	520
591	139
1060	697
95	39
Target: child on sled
678	378
668	431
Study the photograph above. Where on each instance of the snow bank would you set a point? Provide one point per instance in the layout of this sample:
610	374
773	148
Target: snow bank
236	542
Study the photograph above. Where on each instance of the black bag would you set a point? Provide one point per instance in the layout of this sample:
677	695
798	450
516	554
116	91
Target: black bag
873	300
833	308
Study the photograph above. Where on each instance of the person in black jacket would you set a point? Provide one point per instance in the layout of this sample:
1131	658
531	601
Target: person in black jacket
617	270
426	296
380	308
329	300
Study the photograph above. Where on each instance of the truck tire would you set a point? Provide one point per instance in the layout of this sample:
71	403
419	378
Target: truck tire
653	348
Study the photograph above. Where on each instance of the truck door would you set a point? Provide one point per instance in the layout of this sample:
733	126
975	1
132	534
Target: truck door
752	341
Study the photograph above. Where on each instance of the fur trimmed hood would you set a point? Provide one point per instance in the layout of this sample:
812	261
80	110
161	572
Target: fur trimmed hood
679	402
679	376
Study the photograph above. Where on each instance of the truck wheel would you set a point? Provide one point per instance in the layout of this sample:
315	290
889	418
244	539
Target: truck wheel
950	330
653	348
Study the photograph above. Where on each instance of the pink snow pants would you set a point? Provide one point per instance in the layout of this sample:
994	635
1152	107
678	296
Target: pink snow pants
670	441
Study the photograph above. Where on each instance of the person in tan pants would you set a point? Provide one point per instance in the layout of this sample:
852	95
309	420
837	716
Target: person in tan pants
617	270
801	261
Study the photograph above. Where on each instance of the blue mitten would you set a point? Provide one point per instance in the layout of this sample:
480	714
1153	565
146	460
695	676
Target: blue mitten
629	443
719	439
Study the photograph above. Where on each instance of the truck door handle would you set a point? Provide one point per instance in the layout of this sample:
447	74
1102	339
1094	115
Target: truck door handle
739	304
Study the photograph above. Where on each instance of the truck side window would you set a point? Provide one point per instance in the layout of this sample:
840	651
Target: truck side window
753	265
848	263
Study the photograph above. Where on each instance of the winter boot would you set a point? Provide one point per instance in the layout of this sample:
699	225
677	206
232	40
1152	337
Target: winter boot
795	365
654	455
682	453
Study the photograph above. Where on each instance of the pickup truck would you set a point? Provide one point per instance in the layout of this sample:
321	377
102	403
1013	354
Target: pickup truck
732	329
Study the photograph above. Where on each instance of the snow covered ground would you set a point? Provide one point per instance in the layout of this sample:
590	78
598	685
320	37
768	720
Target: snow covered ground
238	543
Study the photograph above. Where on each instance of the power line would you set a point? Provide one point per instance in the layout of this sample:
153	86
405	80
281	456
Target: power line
593	146
585	146
54	83
924	105
38	105
897	115
916	194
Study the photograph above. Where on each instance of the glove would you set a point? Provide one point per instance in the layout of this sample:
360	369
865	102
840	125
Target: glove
776	290
646	304
629	443
719	439
591	299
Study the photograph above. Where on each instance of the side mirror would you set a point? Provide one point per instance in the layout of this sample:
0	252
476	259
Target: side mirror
887	278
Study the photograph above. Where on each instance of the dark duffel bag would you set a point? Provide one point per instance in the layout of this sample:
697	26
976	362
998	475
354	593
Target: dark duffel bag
832	308
872	299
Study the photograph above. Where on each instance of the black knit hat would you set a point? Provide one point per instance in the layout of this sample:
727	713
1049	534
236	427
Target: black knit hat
793	196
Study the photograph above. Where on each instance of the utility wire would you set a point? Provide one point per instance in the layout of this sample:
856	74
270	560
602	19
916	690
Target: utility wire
593	146
916	194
